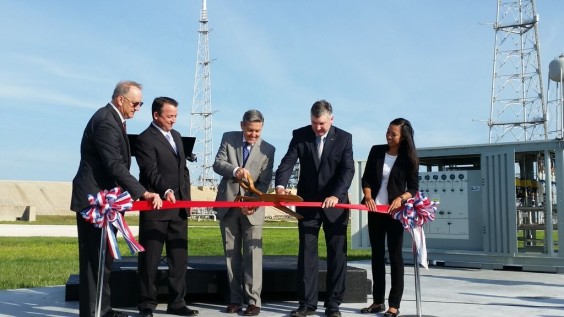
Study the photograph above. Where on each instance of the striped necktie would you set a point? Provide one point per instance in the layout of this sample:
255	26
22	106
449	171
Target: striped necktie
246	152
171	141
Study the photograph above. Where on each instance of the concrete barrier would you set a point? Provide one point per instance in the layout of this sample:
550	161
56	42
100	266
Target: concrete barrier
53	198
13	213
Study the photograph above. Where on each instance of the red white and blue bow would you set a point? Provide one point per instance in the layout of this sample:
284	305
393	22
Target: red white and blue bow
106	209
417	211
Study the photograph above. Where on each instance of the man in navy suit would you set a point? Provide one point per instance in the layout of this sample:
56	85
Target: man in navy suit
326	172
162	169
105	158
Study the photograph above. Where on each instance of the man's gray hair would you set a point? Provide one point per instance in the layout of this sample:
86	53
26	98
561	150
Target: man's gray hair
320	108
253	116
122	88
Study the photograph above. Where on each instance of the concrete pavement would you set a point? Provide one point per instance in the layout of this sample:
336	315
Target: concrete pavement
444	292
9	230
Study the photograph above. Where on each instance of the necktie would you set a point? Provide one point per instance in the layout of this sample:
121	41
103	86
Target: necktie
246	152
320	141
124	127
171	141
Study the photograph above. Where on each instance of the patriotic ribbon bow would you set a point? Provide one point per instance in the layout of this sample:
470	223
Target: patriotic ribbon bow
417	211
106	209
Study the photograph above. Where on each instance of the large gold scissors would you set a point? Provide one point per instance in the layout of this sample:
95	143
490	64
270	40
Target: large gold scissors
249	185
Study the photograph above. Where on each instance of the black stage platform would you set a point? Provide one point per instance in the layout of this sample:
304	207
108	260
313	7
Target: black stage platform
206	280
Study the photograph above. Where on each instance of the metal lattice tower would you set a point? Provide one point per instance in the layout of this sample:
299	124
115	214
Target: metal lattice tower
518	108
201	115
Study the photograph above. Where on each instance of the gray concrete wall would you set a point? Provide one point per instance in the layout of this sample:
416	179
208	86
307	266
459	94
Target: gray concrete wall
47	198
53	198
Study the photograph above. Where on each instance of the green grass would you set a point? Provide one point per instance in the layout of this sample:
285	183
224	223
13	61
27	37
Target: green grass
44	261
35	262
540	235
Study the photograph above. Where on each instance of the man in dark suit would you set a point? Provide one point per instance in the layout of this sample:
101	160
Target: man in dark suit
162	169
105	158
326	172
242	154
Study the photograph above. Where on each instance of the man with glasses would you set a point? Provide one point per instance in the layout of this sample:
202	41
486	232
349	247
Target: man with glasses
105	158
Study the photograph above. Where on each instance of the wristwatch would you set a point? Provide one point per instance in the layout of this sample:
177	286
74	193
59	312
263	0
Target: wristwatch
403	201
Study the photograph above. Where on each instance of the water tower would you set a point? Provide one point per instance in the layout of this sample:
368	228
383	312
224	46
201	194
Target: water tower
555	98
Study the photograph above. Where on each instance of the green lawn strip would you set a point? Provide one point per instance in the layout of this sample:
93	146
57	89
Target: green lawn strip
47	261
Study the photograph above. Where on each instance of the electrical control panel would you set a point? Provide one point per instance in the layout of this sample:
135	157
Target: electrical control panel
459	195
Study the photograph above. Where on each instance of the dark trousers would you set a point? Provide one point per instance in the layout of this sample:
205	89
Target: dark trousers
308	259
88	255
380	227
153	234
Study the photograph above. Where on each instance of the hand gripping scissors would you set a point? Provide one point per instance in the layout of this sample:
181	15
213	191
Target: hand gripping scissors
249	186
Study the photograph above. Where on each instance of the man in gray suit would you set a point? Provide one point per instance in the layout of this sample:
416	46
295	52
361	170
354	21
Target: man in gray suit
243	154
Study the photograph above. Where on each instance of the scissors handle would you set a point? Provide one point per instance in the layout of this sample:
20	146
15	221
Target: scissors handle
249	185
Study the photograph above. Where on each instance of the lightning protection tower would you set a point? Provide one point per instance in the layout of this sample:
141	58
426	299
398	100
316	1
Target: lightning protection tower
201	115
518	108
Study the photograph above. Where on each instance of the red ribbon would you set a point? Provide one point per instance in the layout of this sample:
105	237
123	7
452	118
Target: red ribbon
146	205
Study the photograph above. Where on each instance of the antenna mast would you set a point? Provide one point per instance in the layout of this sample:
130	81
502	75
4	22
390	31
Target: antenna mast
518	109
201	115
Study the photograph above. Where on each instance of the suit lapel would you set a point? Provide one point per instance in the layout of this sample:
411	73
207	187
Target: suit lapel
327	146
178	142
329	142
237	143
380	166
313	149
123	133
254	149
159	136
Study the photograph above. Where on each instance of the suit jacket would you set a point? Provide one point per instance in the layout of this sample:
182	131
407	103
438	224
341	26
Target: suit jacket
105	159
319	178
259	163
403	175
161	168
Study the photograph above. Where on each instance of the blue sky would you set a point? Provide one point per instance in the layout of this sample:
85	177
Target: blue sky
427	61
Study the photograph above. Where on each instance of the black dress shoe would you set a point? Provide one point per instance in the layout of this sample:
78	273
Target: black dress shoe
145	313
252	310
302	311
390	314
373	309
332	313
115	313
182	311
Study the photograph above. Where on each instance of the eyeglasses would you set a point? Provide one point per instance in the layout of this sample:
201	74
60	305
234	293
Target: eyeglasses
134	104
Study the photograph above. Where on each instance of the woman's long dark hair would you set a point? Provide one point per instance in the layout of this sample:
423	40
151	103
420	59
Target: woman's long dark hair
407	145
